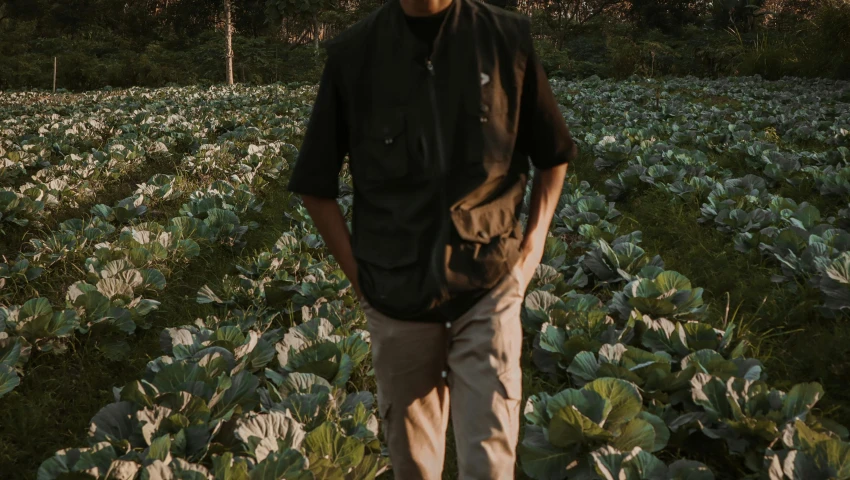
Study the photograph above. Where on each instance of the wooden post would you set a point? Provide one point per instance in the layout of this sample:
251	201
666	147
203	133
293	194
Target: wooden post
55	65
228	39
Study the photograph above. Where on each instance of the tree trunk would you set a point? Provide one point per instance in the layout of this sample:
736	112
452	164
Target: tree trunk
316	31
228	42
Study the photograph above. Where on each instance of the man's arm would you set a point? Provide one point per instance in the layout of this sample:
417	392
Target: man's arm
315	176
545	193
330	222
544	135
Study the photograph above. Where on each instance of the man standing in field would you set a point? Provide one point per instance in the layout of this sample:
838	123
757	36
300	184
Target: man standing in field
439	105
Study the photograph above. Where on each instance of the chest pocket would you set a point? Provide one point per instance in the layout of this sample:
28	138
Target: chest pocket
383	154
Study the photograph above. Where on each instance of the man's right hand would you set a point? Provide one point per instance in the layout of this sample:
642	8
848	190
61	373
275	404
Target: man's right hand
327	216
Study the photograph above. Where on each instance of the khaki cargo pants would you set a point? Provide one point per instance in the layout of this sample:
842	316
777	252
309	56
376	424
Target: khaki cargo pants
471	367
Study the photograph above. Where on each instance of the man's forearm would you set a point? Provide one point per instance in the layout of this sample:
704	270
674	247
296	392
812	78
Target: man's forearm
328	218
545	194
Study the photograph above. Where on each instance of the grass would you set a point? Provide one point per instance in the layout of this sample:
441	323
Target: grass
59	394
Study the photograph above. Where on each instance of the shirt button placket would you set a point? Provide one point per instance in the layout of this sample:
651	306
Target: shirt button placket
445	372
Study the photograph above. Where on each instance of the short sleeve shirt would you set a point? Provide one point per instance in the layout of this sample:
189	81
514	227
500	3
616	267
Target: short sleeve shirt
543	134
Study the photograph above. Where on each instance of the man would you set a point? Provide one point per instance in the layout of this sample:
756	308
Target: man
439	105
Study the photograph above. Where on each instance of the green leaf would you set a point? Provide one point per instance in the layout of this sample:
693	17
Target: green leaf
36	307
710	393
535	410
569	427
626	402
800	400
113	288
541	460
319	359
661	335
643	464
286	465
636	433
114	423
152	279
327	442
229	337
242	393
608	463
324	469
8	379
369	468
670	280
584	367
588	403
226	468
699	336
265	433
206	295
355	347
662	433
160	449
346	368
656	307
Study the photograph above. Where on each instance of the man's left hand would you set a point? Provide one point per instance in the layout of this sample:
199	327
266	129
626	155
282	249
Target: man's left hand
527	265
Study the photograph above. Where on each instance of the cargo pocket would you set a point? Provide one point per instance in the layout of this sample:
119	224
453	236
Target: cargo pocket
483	224
511	382
493	236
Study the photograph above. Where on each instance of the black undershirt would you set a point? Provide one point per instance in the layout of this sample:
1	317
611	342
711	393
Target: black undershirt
425	29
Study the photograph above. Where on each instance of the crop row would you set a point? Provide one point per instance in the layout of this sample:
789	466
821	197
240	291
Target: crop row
56	155
266	389
729	159
274	385
122	260
646	373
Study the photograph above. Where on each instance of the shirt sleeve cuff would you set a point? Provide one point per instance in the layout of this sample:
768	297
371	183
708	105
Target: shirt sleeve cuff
557	159
323	191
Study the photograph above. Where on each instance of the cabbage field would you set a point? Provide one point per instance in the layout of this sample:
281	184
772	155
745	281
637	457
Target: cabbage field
168	311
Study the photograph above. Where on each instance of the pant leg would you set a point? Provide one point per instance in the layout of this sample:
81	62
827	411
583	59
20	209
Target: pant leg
413	399
485	379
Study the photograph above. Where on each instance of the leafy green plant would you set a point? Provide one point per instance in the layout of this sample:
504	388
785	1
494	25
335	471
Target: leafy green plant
564	429
667	294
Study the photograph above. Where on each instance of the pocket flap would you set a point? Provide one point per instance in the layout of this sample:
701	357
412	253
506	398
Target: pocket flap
494	219
484	223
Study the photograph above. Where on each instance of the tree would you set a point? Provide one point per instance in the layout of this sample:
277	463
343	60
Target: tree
306	10
228	42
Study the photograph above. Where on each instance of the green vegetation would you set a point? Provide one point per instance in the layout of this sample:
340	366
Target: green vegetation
192	324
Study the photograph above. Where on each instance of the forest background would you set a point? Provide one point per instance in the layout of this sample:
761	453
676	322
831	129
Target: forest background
153	43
